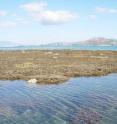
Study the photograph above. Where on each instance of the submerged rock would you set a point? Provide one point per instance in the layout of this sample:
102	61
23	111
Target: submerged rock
87	116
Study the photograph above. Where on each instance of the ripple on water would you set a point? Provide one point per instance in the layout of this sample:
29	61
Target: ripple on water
78	101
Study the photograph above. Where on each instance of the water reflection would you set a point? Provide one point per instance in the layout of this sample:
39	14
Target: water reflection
78	101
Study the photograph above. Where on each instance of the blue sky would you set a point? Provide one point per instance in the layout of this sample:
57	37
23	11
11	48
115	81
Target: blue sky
45	21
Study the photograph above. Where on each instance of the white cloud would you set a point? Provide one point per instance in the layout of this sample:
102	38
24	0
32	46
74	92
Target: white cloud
105	10
54	17
13	23
8	24
113	11
3	13
93	17
19	20
34	7
101	9
40	13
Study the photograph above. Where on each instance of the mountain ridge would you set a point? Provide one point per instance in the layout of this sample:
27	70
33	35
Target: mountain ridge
97	41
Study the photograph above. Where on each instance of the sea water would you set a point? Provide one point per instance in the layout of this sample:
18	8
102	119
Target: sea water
83	100
74	47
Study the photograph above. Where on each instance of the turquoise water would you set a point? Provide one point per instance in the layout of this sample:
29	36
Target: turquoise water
82	100
75	47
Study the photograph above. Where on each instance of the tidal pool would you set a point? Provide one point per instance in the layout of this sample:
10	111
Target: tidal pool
84	100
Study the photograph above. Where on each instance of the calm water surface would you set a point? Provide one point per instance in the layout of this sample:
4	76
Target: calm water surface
74	47
78	101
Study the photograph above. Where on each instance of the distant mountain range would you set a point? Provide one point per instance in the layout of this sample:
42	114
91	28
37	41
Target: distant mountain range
99	41
93	41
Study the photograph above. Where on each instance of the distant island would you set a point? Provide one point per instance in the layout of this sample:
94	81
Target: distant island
98	41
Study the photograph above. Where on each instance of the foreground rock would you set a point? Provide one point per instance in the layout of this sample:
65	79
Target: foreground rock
52	79
51	67
32	81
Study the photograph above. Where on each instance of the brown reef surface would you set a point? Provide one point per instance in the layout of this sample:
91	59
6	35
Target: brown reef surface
55	66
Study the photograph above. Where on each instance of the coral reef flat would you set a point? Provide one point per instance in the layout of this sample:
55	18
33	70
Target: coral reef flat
55	66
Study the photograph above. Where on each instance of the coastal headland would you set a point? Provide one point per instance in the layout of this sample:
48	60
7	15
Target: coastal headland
55	66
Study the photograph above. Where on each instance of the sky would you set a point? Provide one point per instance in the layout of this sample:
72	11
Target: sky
48	21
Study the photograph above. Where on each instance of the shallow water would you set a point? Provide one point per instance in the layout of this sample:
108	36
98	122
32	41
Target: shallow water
74	47
82	100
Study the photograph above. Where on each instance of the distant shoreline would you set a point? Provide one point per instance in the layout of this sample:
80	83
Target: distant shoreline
55	66
62	47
